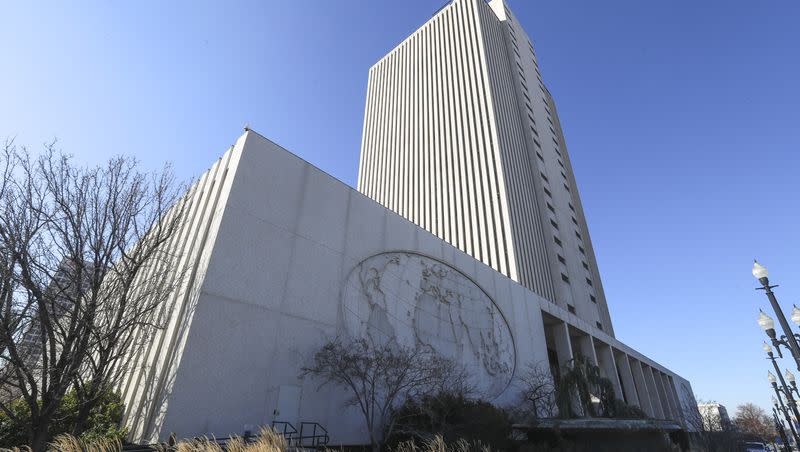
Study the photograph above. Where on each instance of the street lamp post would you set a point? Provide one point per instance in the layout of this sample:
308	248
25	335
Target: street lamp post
784	389
788	339
779	427
779	406
792	383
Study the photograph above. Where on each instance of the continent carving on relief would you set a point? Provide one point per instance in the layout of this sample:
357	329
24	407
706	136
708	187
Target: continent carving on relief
416	301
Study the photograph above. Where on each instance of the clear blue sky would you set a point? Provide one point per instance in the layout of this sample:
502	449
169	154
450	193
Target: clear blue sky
682	119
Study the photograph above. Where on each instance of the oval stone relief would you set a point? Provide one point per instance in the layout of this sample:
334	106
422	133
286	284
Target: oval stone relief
422	302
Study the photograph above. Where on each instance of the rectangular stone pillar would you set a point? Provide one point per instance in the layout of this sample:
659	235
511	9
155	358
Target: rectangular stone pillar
628	385
662	394
673	397
673	408
645	402
652	392
608	367
560	335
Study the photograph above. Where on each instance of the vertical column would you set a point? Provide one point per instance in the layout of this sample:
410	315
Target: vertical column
607	366
662	395
628	385
652	391
645	402
582	344
677	399
673	404
560	334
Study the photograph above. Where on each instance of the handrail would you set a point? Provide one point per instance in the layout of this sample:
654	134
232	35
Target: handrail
320	438
288	430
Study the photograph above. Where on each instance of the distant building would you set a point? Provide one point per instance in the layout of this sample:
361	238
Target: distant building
715	417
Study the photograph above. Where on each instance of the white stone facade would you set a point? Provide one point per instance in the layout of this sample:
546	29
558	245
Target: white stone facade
284	257
462	137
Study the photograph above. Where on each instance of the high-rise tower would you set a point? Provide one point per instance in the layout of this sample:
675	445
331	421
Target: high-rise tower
462	137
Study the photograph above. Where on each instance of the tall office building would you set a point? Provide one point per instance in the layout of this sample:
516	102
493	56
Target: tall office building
461	136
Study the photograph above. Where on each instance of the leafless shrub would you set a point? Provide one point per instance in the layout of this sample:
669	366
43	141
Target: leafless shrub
379	376
537	393
85	261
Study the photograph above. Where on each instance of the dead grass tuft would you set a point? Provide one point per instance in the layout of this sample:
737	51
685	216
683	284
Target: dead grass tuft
68	443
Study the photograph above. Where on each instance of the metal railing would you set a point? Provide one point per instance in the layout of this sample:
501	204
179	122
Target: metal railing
286	429
314	432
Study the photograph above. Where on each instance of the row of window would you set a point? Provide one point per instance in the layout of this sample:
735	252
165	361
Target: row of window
539	155
571	309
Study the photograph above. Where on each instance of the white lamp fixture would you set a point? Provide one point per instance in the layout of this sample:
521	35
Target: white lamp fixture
790	376
774	401
759	271
765	321
795	315
767	348
770	377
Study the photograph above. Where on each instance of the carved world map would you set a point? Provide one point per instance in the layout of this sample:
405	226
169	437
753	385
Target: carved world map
421	302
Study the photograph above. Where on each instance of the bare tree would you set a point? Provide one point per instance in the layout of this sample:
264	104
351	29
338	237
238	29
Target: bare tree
538	393
379	376
752	420
86	261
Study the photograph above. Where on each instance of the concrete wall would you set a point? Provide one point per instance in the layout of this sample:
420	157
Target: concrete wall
279	272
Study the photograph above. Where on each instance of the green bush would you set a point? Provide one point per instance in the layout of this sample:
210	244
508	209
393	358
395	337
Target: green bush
103	421
453	417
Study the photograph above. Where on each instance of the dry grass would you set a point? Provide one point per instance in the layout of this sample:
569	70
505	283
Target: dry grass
16	449
437	444
68	443
266	441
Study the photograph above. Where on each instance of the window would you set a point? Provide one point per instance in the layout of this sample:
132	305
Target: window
599	326
594	300
553	223
531	118
566	187
535	141
537	134
561	259
556	143
563	175
578	235
538	154
551	128
585	265
571	308
565	278
588	281
527	98
574	221
557	240
571	207
547	192
544	177
560	163
550	208
580	248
